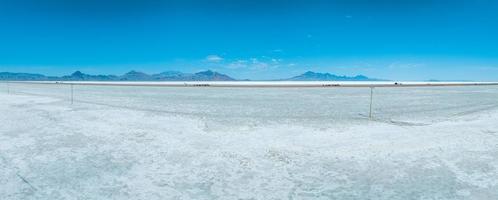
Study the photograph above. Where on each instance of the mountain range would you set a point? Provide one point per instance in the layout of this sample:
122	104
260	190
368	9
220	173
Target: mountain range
170	76
314	76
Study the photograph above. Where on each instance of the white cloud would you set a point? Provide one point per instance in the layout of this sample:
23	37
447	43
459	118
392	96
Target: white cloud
238	64
399	65
214	58
256	64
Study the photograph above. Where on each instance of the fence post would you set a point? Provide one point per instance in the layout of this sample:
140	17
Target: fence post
72	94
371	99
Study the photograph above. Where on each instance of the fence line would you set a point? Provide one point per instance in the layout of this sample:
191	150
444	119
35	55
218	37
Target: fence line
260	84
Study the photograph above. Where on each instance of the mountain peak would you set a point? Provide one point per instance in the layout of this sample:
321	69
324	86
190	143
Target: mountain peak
134	72
316	76
207	72
77	74
170	73
209	75
135	76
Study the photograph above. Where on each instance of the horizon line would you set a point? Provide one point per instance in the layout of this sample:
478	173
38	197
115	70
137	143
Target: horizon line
248	79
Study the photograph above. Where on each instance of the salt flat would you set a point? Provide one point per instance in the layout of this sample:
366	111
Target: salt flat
137	143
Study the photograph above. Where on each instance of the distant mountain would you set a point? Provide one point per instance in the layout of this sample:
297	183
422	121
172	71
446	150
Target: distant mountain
171	76
199	76
135	76
211	76
8	76
79	76
130	76
314	76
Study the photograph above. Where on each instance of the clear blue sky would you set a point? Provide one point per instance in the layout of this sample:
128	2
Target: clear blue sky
401	40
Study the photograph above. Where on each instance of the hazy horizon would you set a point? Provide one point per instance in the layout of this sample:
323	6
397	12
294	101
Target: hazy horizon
249	79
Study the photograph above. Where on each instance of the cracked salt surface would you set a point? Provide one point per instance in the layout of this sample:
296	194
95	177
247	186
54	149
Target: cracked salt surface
189	143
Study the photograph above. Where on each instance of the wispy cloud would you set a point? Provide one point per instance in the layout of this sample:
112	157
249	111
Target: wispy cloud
213	58
238	64
256	64
398	65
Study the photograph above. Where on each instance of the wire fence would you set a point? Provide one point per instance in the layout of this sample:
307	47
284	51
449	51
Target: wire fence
319	106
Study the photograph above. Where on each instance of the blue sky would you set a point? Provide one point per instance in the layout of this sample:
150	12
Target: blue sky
399	40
